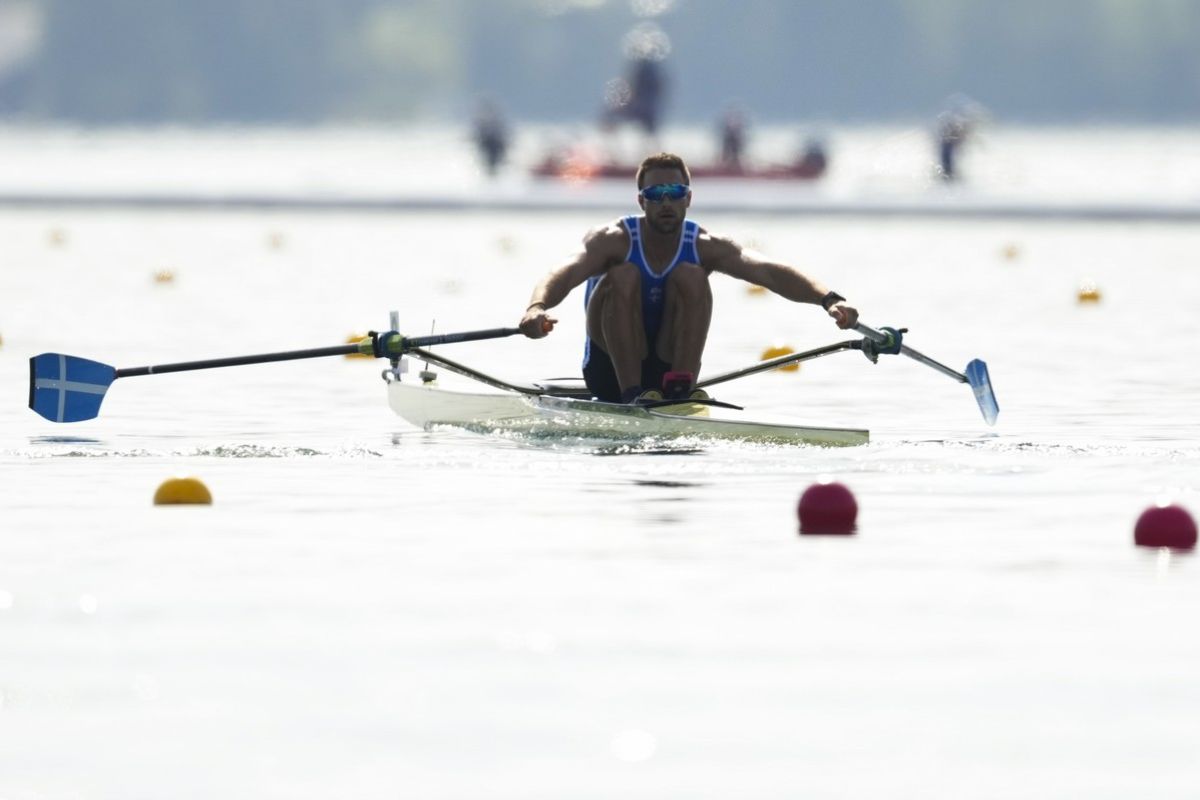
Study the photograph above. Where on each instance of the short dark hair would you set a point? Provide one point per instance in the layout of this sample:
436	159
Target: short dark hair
663	161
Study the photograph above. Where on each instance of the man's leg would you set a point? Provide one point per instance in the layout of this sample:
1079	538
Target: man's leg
614	322
686	318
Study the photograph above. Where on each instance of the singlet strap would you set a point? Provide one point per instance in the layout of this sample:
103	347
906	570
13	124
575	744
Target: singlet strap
635	238
688	251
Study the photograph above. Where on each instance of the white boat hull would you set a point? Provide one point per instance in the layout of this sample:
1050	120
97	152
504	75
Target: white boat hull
428	405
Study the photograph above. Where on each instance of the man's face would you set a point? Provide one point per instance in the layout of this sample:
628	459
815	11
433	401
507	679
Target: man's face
665	216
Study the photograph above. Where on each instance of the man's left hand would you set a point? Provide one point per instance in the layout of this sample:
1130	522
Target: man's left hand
845	316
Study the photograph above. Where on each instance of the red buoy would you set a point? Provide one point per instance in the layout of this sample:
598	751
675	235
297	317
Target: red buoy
1165	526
827	508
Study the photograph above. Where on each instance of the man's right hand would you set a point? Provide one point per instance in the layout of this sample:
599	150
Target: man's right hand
536	323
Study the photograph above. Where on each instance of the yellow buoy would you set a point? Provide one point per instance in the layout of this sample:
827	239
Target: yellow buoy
775	351
1088	292
755	289
164	276
57	237
182	491
354	338
1010	252
275	241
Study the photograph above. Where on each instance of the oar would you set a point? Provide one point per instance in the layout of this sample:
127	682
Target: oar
66	388
890	340
782	361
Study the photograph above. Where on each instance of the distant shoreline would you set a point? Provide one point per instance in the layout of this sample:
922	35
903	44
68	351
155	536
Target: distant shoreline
743	200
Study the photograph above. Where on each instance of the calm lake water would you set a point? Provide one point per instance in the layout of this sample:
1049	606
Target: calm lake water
369	610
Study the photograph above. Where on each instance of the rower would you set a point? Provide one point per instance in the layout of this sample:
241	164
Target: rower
648	298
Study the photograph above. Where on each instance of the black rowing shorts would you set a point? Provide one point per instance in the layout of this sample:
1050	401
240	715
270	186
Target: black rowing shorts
601	378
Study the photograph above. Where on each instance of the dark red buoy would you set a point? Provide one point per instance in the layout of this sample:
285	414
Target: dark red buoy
827	508
1165	526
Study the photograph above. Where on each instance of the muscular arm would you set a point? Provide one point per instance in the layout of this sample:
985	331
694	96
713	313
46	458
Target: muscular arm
725	255
602	247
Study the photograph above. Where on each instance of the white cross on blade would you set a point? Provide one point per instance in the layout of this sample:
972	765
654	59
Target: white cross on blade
62	385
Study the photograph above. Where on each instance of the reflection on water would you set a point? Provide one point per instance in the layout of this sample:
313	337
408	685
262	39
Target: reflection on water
36	440
661	484
650	448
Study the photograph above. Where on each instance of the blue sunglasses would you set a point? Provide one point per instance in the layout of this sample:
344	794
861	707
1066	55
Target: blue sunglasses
665	191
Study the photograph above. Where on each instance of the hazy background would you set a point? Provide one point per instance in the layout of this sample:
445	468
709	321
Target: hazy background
316	61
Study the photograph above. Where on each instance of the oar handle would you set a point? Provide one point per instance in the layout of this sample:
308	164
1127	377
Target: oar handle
450	338
879	337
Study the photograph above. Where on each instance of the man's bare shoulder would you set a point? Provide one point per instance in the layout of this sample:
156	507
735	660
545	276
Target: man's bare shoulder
714	248
608	239
609	231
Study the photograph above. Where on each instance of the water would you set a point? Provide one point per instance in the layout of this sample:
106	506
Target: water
370	610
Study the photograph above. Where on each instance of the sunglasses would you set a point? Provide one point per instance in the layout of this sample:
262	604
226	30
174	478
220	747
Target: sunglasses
660	192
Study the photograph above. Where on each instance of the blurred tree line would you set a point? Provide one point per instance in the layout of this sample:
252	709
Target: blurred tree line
305	61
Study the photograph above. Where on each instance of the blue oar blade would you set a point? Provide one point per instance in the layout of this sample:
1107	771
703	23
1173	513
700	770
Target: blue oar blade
981	384
66	388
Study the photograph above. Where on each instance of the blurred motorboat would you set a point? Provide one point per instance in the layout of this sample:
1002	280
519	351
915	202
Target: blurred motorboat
582	165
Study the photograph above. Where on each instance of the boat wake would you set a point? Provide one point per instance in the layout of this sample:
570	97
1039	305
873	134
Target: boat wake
551	437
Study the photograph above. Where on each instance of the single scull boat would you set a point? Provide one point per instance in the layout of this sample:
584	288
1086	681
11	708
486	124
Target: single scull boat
427	405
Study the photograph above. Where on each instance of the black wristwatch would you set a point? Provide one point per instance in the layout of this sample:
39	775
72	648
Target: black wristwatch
830	298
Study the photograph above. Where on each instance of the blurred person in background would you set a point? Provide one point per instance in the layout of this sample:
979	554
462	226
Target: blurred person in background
491	136
732	133
637	98
648	298
814	158
954	127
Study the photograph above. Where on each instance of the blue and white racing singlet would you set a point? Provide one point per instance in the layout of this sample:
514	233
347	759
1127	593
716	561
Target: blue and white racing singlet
654	284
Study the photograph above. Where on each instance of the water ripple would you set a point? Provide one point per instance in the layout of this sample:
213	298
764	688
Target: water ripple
218	451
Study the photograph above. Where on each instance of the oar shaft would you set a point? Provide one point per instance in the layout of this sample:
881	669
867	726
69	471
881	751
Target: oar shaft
361	348
929	362
782	361
882	338
237	361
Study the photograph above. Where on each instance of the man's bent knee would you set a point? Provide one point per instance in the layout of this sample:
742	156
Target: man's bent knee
619	292
690	280
623	279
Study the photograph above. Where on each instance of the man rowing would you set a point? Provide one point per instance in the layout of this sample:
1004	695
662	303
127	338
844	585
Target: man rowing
648	299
